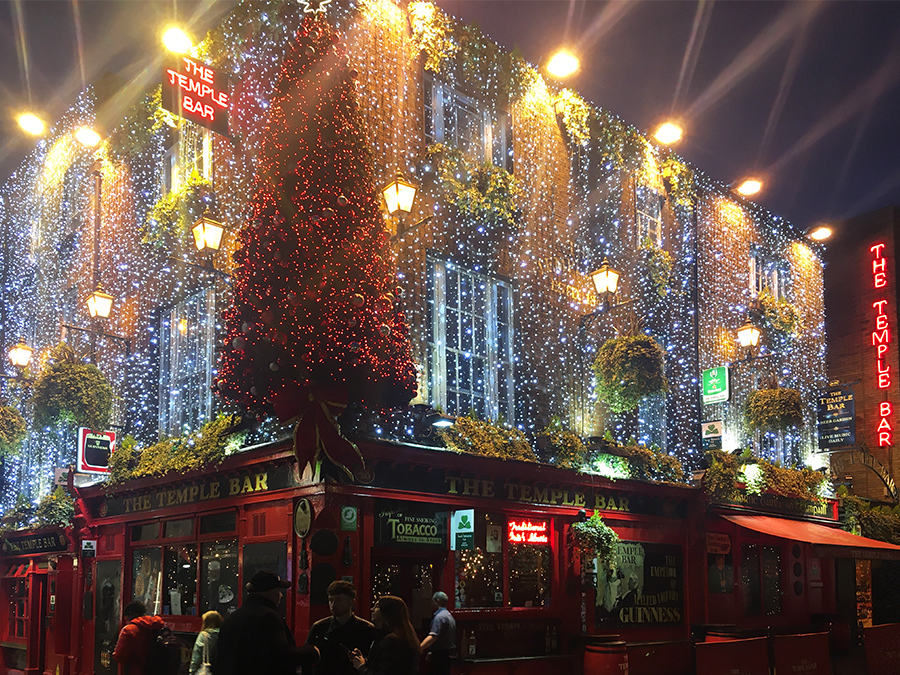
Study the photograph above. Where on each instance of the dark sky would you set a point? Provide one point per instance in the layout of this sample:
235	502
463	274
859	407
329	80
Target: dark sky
805	92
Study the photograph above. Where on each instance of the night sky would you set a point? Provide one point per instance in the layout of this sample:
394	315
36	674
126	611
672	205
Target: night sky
805	93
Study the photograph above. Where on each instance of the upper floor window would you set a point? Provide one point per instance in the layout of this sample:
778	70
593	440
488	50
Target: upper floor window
191	151
648	215
187	362
769	276
458	120
470	340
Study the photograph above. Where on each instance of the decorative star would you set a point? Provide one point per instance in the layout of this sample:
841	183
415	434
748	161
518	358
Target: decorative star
314	6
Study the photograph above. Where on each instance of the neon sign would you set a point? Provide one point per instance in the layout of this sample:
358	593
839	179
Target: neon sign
881	340
197	93
527	532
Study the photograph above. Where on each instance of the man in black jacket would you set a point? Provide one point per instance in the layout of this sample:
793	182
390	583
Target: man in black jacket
342	632
255	640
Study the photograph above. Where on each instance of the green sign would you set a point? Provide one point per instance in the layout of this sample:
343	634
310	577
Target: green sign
349	516
715	385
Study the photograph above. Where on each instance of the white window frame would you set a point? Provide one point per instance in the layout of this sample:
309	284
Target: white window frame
649	225
767	276
187	364
499	359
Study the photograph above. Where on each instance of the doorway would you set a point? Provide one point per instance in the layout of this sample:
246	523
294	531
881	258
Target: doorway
414	577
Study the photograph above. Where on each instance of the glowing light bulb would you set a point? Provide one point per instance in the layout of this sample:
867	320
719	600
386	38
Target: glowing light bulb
177	41
87	137
820	233
562	64
31	123
668	133
749	187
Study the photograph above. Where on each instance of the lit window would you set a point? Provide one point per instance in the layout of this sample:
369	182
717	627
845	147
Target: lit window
186	364
470	335
648	215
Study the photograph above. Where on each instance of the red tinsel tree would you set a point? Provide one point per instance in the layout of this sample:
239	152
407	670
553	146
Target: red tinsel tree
314	318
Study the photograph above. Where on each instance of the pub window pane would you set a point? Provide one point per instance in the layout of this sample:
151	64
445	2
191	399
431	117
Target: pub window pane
771	580
266	556
479	571
218	522
179	528
180	596
750	588
147	532
219	576
146	578
529	565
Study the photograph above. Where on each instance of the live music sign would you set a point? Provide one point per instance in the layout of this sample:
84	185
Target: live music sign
197	93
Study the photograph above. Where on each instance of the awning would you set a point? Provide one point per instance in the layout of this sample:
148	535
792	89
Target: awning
826	541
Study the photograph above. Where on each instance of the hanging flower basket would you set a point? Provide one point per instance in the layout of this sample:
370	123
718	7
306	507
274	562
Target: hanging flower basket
629	368
12	430
71	392
595	539
774	409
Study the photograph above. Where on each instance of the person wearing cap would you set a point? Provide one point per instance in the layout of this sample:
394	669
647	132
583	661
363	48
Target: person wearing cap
441	638
255	640
338	635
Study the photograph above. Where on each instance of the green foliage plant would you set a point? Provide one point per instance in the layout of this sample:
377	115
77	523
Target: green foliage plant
728	474
629	368
774	409
679	180
569	451
12	430
576	114
595	539
134	137
779	317
651	464
174	214
721	478
70	392
206	447
56	509
656	265
860	517
432	33
488	439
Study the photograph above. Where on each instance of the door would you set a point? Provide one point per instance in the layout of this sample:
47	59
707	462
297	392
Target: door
415	578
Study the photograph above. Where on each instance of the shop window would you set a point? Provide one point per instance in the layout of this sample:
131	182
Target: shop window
648	215
479	570
146	578
179	528
219	577
771	580
17	614
146	532
471	348
187	364
216	523
529	563
180	591
266	556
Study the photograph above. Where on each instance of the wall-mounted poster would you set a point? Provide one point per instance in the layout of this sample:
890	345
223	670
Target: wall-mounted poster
644	585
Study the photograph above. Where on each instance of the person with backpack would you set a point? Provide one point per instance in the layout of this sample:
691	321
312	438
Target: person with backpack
205	645
255	640
145	646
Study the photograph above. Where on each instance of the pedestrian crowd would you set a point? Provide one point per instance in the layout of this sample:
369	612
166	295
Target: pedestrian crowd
255	639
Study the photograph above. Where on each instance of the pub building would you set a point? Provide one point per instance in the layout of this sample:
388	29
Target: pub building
492	534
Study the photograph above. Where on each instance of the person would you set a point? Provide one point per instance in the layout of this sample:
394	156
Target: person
397	653
342	632
255	640
441	638
133	646
206	640
720	575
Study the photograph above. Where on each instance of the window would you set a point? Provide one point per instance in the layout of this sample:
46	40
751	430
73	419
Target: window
17	614
648	215
768	276
270	555
470	335
521	578
219	577
146	578
457	120
215	523
180	588
192	150
761	579
187	362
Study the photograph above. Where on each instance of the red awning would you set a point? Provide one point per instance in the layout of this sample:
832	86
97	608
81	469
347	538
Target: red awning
826	541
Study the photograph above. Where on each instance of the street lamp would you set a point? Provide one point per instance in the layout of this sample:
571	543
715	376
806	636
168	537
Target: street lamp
751	186
606	283
20	355
668	133
820	233
562	64
99	304
87	137
31	124
207	232
399	196
176	40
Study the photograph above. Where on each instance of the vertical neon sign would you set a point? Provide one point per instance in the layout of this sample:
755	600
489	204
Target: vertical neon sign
881	340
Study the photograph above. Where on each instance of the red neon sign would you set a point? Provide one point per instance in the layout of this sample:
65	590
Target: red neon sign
527	532
196	92
881	340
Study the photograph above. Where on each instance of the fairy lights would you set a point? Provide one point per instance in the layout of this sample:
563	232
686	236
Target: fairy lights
581	177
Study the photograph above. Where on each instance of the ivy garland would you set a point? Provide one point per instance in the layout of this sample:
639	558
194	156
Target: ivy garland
629	368
485	193
774	409
69	392
487	439
595	539
727	473
655	265
721	478
432	33
174	214
778	316
679	179
206	447
56	509
576	114
12	430
567	449
875	522
650	464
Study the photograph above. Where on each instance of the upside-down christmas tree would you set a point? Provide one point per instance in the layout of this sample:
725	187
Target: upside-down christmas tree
314	320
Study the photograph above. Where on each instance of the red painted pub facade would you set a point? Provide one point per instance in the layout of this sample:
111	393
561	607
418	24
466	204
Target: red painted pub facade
491	534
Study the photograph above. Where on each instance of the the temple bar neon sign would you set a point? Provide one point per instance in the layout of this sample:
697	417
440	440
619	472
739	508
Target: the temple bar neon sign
527	532
881	340
196	92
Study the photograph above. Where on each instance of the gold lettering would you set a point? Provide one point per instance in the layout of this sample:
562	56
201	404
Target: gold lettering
540	495
599	501
611	504
195	490
234	487
623	504
453	481
510	491
470	487
214	491
579	499
487	488
262	482
183	495
555	496
145	503
566	500
248	485
525	493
